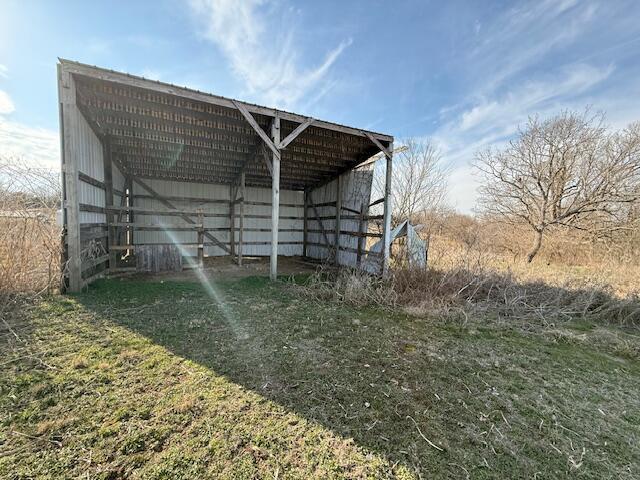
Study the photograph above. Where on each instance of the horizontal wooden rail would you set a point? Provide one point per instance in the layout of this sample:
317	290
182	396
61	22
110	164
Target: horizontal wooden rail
164	227
92	225
217	201
88	179
196	244
85	207
168	213
345	249
183	199
366	217
83	177
347	217
347	232
359	234
347	209
325	204
193	228
180	213
281	217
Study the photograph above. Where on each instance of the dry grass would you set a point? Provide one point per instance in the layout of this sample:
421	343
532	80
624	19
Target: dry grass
464	282
30	246
29	254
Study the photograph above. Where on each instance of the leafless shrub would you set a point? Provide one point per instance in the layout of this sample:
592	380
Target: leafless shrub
30	247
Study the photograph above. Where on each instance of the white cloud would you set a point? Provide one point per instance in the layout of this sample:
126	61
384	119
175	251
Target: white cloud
493	121
533	96
4	71
525	34
462	193
265	59
6	104
36	146
520	65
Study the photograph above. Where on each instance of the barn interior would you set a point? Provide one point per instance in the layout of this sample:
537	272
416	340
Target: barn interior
158	177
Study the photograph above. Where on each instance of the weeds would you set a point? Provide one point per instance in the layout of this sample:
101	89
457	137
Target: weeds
30	239
479	292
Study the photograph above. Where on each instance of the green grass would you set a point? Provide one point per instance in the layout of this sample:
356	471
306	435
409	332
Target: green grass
254	380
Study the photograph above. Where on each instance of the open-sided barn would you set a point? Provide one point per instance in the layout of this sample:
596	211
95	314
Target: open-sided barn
148	165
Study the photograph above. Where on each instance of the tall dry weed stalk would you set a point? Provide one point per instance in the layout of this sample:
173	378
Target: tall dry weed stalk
30	238
472	284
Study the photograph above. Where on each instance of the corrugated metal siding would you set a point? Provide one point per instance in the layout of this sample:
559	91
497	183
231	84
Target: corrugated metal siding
219	192
89	159
356	192
118	182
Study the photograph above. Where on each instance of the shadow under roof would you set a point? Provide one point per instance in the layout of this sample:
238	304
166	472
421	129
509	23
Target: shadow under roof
159	130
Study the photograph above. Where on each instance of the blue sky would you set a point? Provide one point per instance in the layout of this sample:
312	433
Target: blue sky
463	73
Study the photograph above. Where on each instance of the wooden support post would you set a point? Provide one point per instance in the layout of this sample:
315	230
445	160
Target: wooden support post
243	194
69	114
232	220
122	232
338	218
130	214
200	240
361	238
108	200
386	233
305	225
275	199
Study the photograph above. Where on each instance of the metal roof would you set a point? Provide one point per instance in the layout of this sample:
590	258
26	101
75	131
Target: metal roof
159	130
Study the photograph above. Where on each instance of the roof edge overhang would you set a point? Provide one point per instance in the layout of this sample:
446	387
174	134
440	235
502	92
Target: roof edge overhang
99	73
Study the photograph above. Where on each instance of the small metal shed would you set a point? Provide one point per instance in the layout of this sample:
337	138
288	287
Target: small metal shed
150	163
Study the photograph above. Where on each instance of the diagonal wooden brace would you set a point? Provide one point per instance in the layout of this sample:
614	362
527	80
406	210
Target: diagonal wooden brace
185	217
252	121
293	135
376	142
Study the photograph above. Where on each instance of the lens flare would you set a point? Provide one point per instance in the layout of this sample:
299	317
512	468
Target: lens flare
209	287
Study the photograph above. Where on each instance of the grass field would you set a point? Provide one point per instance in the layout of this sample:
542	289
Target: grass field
251	379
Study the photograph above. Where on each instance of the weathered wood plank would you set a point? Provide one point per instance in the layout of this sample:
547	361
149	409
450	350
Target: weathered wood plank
275	198
243	194
386	239
338	215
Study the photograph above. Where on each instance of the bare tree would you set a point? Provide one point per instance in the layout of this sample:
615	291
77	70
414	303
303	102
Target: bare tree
567	171
419	181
